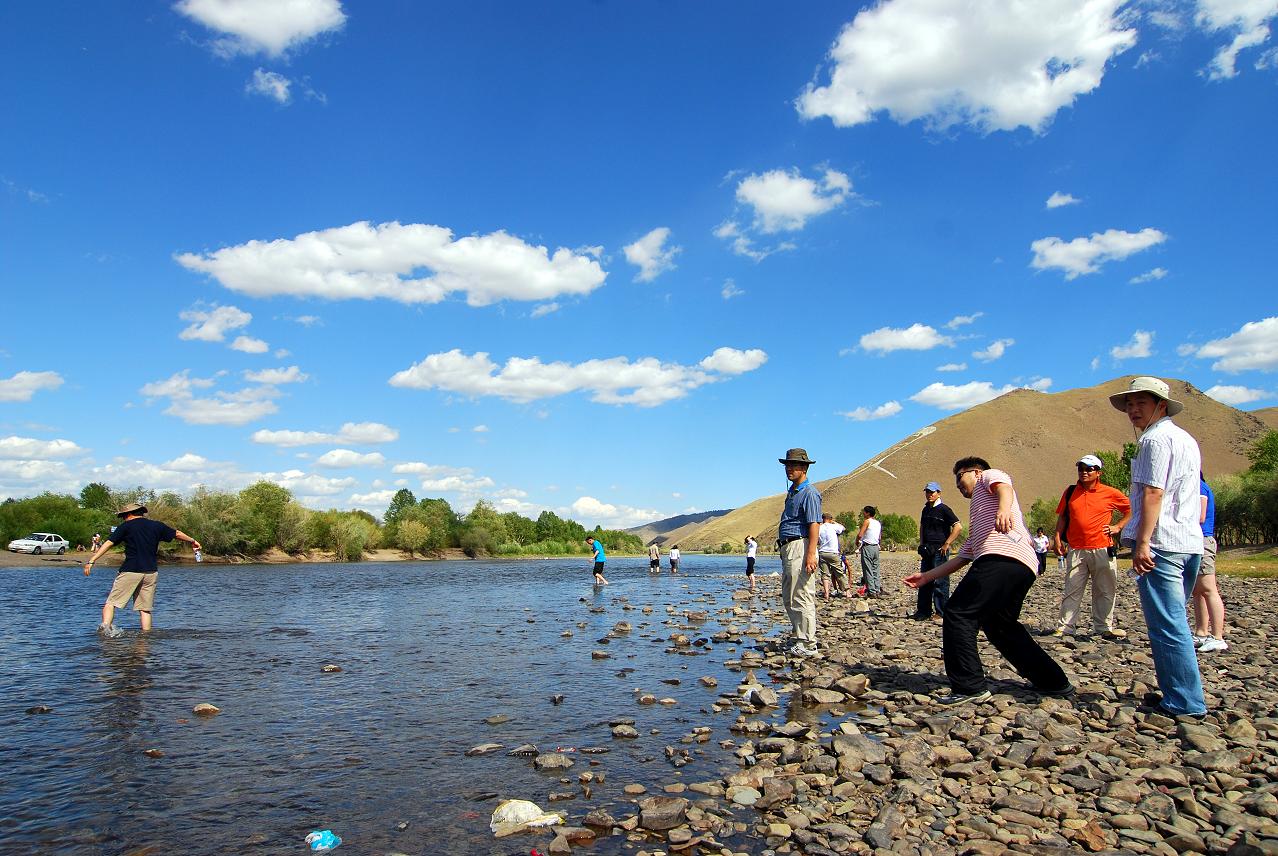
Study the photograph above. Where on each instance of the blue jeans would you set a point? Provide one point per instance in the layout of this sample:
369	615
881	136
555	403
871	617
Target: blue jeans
936	594
1164	592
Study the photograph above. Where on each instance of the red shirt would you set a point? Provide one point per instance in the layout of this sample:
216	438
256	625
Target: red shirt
1090	510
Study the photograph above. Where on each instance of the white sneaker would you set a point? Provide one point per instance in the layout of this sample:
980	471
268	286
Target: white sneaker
801	650
1213	644
1199	640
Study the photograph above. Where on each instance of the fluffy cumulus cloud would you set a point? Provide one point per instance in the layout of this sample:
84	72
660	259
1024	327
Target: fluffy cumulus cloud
357	433
271	28
1237	395
292	374
23	385
993	64
589	510
250	345
1086	255
1060	200
345	458
1247	21
784	200
31	449
963	396
1140	345
646	382
916	337
364	261
1253	347
866	414
995	350
269	84
212	323
651	254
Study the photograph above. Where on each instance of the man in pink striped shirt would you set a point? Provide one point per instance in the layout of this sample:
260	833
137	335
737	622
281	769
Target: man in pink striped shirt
990	595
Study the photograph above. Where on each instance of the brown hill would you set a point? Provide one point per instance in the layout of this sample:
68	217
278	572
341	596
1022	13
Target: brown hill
1267	415
671	529
1035	436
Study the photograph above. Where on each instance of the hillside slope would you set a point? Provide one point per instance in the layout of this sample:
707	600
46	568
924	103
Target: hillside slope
671	529
1035	436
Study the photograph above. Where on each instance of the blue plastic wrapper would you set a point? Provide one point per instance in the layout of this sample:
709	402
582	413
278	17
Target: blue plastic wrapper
323	839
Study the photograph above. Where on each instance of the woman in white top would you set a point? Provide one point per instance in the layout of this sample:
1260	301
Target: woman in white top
867	541
1040	549
674	559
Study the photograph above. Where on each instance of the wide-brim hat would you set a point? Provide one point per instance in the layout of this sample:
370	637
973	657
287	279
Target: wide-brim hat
1154	387
796	456
131	508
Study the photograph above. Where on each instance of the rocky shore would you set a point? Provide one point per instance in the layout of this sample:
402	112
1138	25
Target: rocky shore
850	753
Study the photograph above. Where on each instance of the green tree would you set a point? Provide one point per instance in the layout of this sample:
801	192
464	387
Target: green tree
213	518
901	530
97	496
520	529
1116	470
413	536
293	536
402	501
1263	454
261	510
1042	514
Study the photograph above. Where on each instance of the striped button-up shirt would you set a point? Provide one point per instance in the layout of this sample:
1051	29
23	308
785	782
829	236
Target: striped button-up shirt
1168	459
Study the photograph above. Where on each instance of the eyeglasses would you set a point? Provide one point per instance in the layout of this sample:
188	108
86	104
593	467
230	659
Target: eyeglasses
1088	468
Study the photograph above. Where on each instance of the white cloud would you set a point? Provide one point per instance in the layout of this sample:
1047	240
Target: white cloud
994	64
952	367
544	309
188	463
916	337
865	414
1236	395
419	468
1149	276
1095	363
743	245
480	429
27	477
1247	20
363	261
784	200
308	320
23	385
651	255
212	324
1086	255
308	484
292	374
360	433
272	28
1253	346
1059	200
588	511
378	499
224	408
29	448
457	484
269	84
733	362
178	385
1137	347
971	394
344	458
730	290
249	345
962	320
996	349
646	382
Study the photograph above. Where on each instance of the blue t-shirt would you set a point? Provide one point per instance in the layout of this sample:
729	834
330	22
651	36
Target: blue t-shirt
802	509
141	539
599	552
1209	522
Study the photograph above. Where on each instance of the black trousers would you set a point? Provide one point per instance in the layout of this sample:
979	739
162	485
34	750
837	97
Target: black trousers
989	598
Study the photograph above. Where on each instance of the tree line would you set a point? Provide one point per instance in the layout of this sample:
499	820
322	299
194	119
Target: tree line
265	516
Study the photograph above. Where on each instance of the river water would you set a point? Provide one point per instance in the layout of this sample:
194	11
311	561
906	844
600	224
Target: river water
427	651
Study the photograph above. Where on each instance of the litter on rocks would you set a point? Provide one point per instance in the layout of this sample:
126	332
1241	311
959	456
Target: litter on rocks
512	816
323	839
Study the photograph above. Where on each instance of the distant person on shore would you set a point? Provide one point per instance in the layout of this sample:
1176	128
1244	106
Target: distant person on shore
1209	609
1085	531
1166	539
96	542
752	550
135	579
938	528
1040	542
991	594
654	559
868	538
597	548
797	542
828	557
674	559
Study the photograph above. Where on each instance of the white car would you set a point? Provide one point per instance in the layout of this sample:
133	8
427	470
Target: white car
40	542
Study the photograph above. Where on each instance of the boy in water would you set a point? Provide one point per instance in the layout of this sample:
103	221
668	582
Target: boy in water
598	548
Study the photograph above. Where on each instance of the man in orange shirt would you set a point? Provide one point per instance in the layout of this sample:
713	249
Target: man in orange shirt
1084	521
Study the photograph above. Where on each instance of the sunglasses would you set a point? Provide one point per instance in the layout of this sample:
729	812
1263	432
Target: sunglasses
1087	468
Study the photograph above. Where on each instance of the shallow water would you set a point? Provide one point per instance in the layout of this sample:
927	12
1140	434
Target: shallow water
427	651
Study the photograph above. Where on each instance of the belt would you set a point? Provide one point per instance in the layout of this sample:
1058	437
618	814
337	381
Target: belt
784	541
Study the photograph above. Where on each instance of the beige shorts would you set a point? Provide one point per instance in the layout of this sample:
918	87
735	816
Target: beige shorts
132	584
1209	556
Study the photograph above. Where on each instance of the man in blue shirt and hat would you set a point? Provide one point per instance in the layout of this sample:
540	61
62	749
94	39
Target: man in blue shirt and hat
797	543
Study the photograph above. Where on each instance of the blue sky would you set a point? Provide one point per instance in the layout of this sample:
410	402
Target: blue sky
610	259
